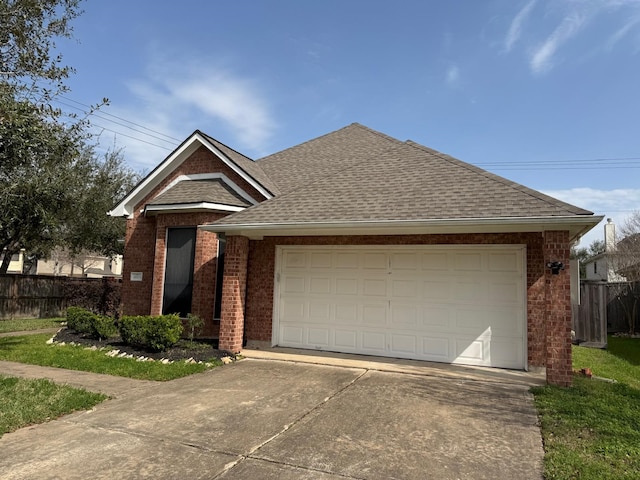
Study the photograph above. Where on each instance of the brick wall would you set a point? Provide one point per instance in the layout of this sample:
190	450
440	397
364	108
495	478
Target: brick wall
260	283
145	246
558	310
234	293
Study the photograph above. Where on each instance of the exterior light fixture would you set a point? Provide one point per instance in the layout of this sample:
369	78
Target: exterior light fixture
555	267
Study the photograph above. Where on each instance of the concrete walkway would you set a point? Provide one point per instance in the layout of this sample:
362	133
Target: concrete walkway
51	330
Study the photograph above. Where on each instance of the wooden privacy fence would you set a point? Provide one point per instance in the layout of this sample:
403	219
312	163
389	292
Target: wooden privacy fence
40	296
602	310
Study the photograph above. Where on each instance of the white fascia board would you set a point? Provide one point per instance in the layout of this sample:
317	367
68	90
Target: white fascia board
185	207
576	225
125	207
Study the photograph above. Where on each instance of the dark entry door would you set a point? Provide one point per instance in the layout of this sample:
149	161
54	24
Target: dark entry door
178	276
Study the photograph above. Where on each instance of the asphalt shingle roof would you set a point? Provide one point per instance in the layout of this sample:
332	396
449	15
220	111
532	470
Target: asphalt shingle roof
246	164
358	174
196	191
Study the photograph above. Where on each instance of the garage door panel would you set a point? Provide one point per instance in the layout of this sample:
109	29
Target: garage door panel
470	262
471	350
405	262
462	305
374	342
405	288
374	315
375	287
291	284
435	262
404	344
375	261
320	285
436	348
318	337
436	290
504	262
292	335
403	316
292	309
436	316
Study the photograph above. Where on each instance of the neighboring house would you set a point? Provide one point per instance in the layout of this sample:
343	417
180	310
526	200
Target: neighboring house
17	262
61	263
603	266
355	242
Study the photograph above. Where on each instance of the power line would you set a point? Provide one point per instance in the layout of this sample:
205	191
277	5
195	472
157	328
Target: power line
123	119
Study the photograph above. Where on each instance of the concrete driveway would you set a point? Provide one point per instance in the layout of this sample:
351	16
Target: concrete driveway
266	419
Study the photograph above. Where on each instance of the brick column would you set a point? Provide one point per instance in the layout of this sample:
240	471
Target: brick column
234	286
558	309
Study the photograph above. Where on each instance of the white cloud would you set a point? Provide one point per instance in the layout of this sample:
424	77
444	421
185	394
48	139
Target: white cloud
515	29
542	57
453	75
617	204
177	98
622	31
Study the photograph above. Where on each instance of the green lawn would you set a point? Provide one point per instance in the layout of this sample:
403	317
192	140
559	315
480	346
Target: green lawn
34	350
29	324
25	402
592	430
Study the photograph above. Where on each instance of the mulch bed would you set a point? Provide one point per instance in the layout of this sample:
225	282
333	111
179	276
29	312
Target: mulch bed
200	350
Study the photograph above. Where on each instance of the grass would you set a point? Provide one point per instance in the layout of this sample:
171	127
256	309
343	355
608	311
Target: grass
33	349
592	430
26	402
29	324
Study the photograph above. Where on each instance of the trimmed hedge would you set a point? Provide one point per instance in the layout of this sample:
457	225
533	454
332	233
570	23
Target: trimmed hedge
79	319
155	333
84	321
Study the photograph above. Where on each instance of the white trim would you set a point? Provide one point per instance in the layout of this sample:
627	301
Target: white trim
577	226
275	324
191	207
189	146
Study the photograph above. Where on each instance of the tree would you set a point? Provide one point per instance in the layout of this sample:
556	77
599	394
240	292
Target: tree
585	253
28	30
55	192
626	262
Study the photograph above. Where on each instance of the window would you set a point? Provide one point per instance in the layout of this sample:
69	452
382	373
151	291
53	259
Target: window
222	243
595	267
178	274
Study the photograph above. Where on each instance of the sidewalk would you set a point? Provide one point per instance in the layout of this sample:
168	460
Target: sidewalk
94	382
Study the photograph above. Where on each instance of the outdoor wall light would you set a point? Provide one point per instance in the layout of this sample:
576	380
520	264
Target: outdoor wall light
555	267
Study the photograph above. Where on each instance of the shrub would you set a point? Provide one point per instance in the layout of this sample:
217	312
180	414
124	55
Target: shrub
79	319
194	326
163	332
133	330
103	326
152	333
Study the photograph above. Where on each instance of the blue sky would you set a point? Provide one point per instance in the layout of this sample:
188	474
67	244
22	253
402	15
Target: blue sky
543	92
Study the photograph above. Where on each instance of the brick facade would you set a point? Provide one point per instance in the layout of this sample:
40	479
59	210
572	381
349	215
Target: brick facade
234	285
145	247
558	310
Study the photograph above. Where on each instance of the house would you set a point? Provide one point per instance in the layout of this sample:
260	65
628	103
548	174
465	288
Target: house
602	267
355	242
16	263
89	265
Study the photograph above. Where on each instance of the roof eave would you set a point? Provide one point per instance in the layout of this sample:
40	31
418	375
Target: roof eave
191	144
576	225
190	208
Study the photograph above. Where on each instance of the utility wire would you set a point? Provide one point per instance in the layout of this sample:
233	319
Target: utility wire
123	119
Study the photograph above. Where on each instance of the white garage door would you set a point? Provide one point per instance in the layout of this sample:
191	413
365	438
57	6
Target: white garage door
453	304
